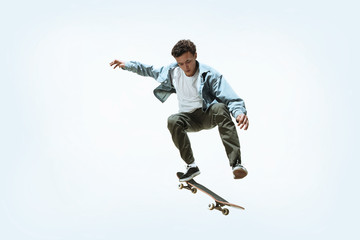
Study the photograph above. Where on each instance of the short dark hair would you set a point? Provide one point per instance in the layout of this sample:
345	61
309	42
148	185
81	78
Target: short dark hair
182	47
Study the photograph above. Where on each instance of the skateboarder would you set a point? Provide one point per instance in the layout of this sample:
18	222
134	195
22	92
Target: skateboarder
205	100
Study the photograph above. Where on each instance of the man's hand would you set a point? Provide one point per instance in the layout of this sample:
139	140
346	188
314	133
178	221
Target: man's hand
242	121
117	63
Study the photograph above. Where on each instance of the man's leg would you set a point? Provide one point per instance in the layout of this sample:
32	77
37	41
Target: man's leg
178	125
221	117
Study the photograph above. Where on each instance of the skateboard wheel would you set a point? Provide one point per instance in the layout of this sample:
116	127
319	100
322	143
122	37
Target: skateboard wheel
211	206
194	190
225	211
181	186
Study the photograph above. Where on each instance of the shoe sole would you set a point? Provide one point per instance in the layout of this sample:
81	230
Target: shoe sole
189	178
240	173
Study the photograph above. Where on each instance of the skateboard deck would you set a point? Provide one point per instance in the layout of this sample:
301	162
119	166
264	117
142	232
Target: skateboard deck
220	202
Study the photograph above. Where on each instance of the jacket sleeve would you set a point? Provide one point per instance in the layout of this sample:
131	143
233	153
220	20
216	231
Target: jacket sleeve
143	69
225	94
162	75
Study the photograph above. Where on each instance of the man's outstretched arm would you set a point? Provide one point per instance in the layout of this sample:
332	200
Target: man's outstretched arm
138	68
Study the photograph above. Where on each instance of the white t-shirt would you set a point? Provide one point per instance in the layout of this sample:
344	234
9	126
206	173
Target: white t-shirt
187	90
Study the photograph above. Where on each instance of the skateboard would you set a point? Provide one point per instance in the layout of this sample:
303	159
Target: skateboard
219	201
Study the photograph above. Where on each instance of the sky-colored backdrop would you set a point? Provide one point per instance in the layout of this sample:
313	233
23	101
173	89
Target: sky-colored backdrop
85	152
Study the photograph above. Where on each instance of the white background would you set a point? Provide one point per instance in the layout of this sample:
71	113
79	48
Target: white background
85	152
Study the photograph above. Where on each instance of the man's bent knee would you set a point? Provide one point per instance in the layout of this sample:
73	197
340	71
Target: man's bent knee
173	120
219	108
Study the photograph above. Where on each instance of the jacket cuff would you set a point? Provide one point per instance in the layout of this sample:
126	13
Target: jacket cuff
237	113
127	65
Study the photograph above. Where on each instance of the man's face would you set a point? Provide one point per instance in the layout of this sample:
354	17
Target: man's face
187	62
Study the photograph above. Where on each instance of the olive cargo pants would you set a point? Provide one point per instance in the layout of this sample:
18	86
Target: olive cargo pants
216	115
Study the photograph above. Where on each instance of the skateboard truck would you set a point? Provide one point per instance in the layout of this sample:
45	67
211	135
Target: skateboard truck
219	206
188	187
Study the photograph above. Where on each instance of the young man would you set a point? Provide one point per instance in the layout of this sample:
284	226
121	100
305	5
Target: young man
205	100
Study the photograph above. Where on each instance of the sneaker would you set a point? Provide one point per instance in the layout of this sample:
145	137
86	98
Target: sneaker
191	172
239	171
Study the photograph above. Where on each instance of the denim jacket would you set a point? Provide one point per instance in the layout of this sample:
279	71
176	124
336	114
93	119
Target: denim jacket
213	88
